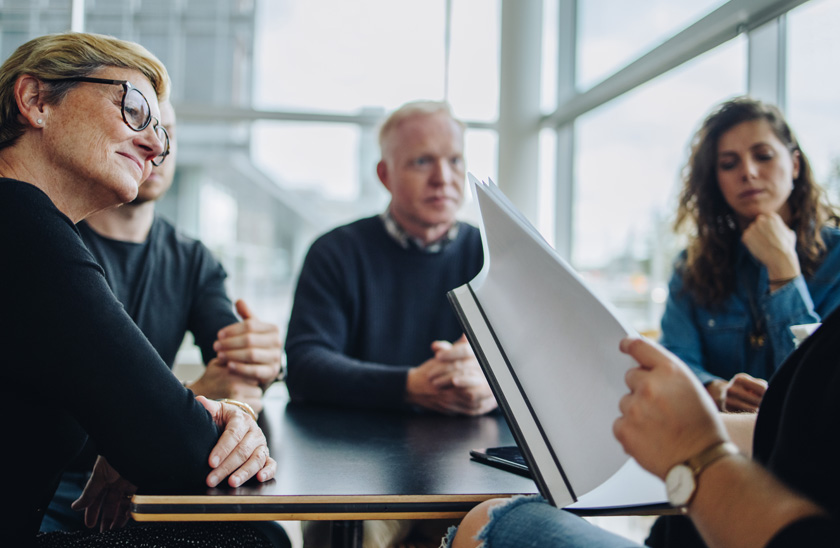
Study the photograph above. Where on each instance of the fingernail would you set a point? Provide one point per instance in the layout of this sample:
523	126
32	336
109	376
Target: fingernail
234	480
214	480
214	461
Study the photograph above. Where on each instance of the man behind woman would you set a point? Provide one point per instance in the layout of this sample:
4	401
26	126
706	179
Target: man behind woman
762	258
79	131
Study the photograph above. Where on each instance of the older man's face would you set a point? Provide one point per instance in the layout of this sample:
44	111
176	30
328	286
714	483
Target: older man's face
423	169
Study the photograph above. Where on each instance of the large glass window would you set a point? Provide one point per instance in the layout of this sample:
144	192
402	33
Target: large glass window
474	60
612	34
334	55
813	85
314	156
339	56
481	148
369	56
629	155
337	162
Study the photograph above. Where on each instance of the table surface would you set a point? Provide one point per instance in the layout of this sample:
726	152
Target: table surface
345	464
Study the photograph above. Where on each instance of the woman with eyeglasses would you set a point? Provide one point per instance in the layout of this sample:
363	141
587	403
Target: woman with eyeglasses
79	132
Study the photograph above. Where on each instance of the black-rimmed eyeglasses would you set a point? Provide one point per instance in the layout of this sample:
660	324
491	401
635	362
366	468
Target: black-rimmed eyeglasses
136	112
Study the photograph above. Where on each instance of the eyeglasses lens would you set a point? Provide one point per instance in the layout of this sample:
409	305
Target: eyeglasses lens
136	110
164	138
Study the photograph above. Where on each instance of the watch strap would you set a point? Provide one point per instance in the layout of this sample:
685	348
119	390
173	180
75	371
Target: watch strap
704	458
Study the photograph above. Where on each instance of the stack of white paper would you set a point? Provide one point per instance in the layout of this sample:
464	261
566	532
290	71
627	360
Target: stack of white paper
549	347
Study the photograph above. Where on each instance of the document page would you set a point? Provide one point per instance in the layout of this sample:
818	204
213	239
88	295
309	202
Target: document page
560	342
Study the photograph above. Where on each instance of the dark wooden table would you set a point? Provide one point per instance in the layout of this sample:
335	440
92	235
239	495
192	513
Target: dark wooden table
348	465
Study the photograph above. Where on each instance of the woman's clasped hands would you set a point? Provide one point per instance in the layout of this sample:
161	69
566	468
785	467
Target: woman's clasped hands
242	450
240	454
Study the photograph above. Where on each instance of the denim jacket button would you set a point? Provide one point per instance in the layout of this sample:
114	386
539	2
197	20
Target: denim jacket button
711	323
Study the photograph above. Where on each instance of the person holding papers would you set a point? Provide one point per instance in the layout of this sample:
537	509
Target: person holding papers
775	486
371	325
763	253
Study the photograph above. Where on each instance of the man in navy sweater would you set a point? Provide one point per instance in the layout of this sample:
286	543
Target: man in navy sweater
371	325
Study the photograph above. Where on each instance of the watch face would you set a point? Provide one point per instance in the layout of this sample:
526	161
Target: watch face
680	485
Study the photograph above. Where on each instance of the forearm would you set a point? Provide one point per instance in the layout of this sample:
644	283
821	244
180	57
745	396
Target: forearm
168	442
162	457
207	317
327	376
791	305
216	386
738	504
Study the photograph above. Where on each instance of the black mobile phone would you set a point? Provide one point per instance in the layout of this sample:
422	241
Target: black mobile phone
508	458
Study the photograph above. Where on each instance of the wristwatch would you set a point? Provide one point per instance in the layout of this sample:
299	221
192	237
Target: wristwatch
681	481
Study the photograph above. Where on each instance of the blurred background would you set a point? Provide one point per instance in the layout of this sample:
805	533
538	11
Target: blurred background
581	110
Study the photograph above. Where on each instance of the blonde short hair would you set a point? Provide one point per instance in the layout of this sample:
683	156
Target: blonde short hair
410	110
56	56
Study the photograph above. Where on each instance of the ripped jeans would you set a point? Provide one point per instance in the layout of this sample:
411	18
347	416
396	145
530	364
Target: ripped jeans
530	522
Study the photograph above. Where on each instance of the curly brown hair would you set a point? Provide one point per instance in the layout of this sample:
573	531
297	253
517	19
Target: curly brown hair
708	269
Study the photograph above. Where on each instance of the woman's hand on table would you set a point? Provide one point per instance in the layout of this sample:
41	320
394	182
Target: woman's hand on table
242	450
667	417
743	394
106	498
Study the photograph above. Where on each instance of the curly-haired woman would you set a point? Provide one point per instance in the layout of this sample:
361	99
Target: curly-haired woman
763	253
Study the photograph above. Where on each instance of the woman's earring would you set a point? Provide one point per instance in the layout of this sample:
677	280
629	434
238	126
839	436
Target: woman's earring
39	121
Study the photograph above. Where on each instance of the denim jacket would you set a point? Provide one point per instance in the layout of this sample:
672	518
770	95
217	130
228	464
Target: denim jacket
715	343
